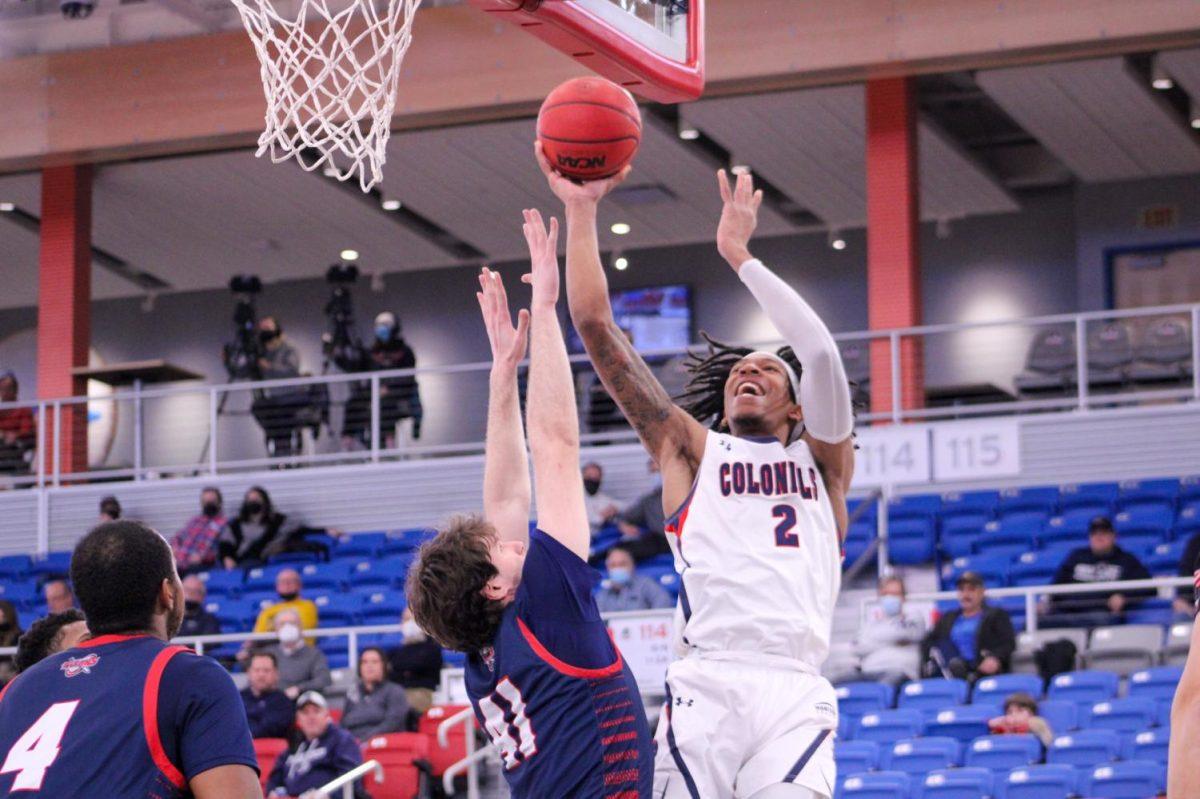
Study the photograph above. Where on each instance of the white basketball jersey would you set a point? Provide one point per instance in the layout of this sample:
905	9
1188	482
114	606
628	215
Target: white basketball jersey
757	550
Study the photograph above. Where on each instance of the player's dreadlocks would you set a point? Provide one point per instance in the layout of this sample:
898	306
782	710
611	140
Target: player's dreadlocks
704	396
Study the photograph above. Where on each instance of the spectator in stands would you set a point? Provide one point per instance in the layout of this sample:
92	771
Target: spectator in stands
302	667
268	709
110	510
625	589
888	643
59	598
601	508
10	632
195	546
255	534
1021	718
288	586
975	640
399	397
374	706
197	620
642	523
323	753
1189	566
18	436
277	409
416	664
1100	561
50	634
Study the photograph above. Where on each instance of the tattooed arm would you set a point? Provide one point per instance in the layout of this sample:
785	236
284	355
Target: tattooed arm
673	438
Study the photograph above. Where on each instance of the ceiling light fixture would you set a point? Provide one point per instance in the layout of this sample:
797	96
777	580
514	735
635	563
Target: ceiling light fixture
620	228
391	205
1195	115
8	208
687	132
620	263
1160	79
349	255
836	241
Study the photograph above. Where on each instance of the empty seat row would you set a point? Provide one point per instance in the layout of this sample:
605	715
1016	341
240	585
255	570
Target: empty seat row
1133	779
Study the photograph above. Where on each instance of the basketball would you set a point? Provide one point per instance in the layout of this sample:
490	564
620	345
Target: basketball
590	128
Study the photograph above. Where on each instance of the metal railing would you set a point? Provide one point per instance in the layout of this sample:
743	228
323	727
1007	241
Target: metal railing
470	762
147	433
346	782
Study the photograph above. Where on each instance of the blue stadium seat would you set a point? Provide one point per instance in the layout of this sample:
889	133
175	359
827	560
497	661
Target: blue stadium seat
1000	753
1056	781
1163	558
1061	715
1065	531
327	576
361	545
959	534
339	610
14	566
21	594
452	659
1150	612
956	783
670	581
911	541
1123	715
260	599
1039	499
1085	748
855	756
55	563
1152	522
994	689
966	723
1073	496
666	561
858	698
869	513
219	582
385	641
400	541
920	755
1187	523
1162	714
384	573
294	559
262	579
875	785
1131	779
973	503
336	649
235	615
886	726
993	568
1136	492
1037	567
383	607
1156	683
1147	745
1189	488
1084	687
931	696
858	538
917	506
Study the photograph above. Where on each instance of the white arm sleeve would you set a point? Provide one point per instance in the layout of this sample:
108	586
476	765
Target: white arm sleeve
824	392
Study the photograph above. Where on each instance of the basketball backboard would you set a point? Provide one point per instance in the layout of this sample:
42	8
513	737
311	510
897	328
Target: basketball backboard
654	48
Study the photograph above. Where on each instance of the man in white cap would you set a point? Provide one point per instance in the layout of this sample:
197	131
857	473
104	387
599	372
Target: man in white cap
324	753
399	396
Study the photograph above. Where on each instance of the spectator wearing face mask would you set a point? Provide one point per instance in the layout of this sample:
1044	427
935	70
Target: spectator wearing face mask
288	587
416	665
625	589
18	436
10	632
197	620
601	508
195	546
888	642
399	397
277	408
255	534
110	510
302	667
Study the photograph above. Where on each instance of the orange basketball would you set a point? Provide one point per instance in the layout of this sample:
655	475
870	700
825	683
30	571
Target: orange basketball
590	128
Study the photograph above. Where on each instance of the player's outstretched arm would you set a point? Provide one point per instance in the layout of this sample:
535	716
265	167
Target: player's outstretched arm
226	782
553	414
824	392
1183	778
674	439
506	490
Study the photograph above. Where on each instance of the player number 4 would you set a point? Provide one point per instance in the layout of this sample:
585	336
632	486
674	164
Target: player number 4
38	747
784	535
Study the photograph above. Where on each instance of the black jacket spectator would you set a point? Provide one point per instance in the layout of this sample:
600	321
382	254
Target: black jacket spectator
198	621
255	534
1085	566
399	397
645	514
996	636
270	713
10	631
417	665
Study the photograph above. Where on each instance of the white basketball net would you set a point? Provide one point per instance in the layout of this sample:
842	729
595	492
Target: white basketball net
329	77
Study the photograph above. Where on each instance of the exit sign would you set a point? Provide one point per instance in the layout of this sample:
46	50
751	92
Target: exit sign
1158	217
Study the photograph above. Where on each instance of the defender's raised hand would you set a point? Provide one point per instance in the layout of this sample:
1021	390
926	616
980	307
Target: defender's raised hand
509	343
739	218
572	193
543	258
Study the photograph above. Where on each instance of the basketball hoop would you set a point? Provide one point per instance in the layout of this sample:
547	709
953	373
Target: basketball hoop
329	73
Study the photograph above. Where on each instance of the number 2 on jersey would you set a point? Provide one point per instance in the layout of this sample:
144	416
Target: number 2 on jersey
38	747
784	537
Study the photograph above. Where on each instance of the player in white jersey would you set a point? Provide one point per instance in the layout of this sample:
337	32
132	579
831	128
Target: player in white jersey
761	499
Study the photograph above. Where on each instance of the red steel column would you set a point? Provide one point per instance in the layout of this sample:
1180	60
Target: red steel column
64	305
893	258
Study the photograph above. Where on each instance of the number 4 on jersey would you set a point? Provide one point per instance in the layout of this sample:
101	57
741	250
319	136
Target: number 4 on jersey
38	747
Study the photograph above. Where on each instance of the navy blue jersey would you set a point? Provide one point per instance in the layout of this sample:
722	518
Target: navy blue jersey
553	692
123	717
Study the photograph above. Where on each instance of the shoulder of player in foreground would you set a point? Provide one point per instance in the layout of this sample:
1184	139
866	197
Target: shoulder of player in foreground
198	673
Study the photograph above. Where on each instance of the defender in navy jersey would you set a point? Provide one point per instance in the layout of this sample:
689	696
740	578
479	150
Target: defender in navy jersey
544	676
124	715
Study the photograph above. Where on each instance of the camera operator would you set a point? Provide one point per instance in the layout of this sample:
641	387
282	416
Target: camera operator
278	409
399	397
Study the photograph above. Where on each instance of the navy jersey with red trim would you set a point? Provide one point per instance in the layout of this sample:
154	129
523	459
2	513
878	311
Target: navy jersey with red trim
553	692
123	717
